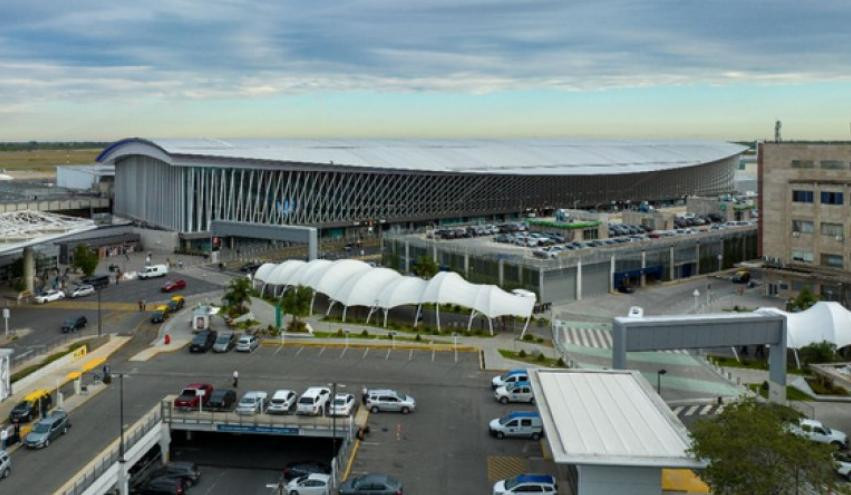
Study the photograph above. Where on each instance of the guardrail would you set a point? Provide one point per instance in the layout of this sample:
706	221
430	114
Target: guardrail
106	461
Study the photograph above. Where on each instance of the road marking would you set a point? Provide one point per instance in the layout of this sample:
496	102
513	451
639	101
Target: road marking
432	355
706	409
322	350
365	352
608	336
411	355
388	354
677	410
278	349
502	467
692	409
344	352
299	350
720	409
583	337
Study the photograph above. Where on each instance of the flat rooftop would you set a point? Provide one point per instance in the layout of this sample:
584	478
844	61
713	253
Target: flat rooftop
609	417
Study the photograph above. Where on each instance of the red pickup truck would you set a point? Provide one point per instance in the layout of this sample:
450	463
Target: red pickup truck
192	396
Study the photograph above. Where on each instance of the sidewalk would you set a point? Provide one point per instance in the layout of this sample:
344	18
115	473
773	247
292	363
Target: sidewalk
59	376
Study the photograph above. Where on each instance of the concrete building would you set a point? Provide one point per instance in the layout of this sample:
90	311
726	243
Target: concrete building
805	218
356	187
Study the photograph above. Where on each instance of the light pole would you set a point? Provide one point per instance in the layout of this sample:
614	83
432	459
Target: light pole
120	415
696	295
659	380
720	258
100	329
334	386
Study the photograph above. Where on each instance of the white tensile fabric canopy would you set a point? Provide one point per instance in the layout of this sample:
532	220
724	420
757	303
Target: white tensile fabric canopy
355	283
824	321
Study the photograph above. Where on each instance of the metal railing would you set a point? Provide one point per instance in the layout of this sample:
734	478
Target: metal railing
107	460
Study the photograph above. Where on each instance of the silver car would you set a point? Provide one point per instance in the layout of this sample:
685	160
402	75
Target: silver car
247	343
80	291
47	429
252	402
390	400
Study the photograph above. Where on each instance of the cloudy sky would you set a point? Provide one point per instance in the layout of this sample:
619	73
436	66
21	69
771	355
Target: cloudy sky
88	69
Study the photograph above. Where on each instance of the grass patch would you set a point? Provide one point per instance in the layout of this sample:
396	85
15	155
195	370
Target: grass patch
44	362
421	329
822	387
791	392
46	160
751	364
538	359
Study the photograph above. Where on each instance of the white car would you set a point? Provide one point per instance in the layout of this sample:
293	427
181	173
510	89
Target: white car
818	432
343	405
80	291
312	484
252	402
247	343
514	392
313	401
49	296
282	402
843	465
527	483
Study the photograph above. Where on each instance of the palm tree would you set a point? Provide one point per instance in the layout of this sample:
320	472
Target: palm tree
237	295
296	302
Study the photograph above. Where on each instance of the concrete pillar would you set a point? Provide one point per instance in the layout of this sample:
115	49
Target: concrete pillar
407	257
165	442
643	267
671	270
579	280
466	265
541	283
123	478
612	274
697	257
501	271
434	252
29	268
312	244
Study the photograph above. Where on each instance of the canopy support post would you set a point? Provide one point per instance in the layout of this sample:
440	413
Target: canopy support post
437	314
344	313
470	320
797	360
525	326
735	354
386	310
490	325
368	315
312	298
330	305
416	316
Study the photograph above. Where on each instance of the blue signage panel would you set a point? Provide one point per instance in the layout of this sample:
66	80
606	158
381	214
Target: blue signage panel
257	429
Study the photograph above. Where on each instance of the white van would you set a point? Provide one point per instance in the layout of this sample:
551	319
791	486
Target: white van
521	424
313	401
153	271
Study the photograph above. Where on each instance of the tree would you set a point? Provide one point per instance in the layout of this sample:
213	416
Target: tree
237	295
820	352
85	259
750	450
296	301
803	301
425	267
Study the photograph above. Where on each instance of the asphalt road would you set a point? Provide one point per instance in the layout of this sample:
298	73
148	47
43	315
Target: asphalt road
445	440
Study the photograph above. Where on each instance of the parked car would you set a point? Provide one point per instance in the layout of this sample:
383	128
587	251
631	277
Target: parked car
49	295
222	399
817	432
74	324
247	343
841	460
514	392
153	271
174	285
193	397
311	484
160	314
32	406
390	400
372	484
510	376
527	483
303	468
343	405
163	486
522	424
250	267
48	428
188	471
5	464
313	401
224	342
80	291
252	403
282	402
203	341
178	301
96	281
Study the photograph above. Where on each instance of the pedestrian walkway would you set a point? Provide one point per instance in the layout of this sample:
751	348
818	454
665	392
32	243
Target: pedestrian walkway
597	338
698	410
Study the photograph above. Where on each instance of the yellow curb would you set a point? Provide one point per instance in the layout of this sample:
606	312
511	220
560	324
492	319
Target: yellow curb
351	460
376	345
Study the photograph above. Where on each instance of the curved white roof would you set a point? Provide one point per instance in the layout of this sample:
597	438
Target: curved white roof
262	273
355	283
475	156
824	321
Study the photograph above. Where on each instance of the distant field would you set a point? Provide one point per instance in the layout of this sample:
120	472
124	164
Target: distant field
45	160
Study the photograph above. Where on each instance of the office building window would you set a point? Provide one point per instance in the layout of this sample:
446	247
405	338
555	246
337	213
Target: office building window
802	226
831	198
833	165
803	164
832	230
802	256
802	196
831	260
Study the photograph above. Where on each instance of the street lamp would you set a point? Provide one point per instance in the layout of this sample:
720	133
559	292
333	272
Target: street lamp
120	415
334	386
720	258
100	330
659	380
696	295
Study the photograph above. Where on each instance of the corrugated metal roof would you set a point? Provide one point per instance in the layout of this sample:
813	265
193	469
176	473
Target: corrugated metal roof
611	417
544	157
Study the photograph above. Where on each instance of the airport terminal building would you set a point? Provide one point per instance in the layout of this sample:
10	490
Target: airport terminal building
343	186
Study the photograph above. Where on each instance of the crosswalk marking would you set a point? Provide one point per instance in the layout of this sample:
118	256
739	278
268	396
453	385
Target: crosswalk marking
720	409
698	410
706	409
692	410
677	410
597	338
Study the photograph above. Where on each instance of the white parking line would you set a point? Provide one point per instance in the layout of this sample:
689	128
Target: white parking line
388	354
322	350
432	355
365	352
411	355
344	352
299	350
278	349
706	409
692	409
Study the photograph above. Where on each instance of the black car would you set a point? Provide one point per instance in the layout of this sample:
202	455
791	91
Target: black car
97	281
250	267
162	486
372	484
222	399
26	410
188	471
203	341
303	468
74	324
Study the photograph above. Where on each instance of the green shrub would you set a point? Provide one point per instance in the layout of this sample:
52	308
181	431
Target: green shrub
364	333
522	353
540	357
561	363
528	337
418	338
340	332
539	340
